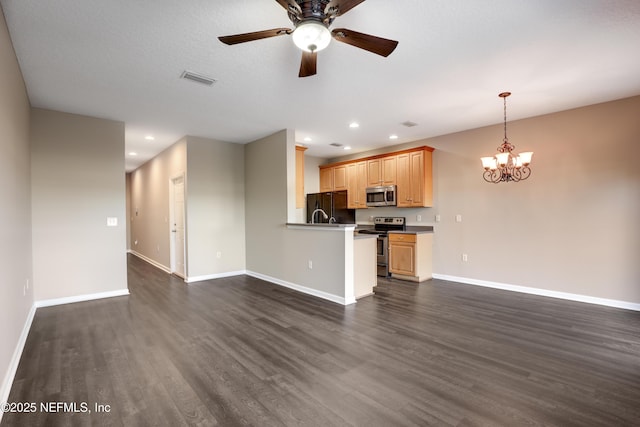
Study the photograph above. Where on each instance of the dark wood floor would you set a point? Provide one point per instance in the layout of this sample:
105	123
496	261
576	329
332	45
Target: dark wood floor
240	351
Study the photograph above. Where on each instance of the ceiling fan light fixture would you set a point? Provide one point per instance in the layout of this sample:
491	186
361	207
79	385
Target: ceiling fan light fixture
311	36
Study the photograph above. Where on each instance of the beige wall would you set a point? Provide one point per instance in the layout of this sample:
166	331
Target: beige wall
215	207
77	181
15	208
214	189
572	227
277	253
266	202
149	207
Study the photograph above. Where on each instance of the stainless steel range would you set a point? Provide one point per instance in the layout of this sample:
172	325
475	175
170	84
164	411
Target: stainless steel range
382	225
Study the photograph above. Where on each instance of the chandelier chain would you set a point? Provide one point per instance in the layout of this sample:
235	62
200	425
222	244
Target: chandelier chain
505	119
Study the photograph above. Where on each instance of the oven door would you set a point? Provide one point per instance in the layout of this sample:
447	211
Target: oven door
382	254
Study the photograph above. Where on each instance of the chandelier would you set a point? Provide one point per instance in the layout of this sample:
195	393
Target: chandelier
505	166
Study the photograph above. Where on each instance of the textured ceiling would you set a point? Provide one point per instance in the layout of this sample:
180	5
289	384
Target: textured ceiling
122	60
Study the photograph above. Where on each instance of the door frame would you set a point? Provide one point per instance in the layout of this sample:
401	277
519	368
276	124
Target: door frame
172	241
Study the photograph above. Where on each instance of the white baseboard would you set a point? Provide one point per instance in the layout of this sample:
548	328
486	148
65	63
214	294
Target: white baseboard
542	292
192	279
304	289
15	359
80	298
150	261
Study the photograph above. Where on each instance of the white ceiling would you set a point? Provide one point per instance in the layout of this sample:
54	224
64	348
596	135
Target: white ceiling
122	59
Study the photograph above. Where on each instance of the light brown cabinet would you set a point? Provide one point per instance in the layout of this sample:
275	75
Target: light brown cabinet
403	248
326	179
381	171
414	179
356	185
389	170
300	176
340	178
410	170
410	256
374	173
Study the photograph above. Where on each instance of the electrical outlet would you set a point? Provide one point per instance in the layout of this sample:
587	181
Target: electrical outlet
418	218
310	265
465	257
437	218
219	254
458	218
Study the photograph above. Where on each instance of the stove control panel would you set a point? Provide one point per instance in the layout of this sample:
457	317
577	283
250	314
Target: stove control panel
389	220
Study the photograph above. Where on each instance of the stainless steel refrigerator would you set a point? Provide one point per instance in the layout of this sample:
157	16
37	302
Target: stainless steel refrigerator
334	204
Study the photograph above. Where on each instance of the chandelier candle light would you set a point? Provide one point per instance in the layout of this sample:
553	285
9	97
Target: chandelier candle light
504	166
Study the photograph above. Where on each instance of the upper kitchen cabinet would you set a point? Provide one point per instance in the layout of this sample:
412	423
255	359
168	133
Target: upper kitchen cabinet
326	179
333	178
340	178
300	176
381	171
415	178
357	185
410	170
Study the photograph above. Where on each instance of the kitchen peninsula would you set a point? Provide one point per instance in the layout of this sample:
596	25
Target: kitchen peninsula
325	241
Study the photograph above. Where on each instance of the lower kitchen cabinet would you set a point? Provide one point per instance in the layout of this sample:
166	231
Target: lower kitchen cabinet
410	256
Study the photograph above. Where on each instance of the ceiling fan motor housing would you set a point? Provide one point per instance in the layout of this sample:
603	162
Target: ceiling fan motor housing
317	10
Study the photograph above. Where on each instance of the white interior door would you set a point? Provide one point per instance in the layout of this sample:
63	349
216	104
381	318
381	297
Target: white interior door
177	227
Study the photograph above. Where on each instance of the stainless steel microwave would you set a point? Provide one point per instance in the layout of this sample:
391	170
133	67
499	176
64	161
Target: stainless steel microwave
384	195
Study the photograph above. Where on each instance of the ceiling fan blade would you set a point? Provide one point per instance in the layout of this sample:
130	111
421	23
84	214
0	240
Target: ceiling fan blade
284	3
373	44
343	6
308	64
257	35
290	6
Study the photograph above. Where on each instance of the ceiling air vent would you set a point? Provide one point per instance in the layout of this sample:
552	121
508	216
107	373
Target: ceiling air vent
335	144
198	78
409	124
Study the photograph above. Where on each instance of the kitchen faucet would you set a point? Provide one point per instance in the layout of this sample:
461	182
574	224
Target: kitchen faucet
313	215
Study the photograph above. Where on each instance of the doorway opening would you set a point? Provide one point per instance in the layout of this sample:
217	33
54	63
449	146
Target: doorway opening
177	227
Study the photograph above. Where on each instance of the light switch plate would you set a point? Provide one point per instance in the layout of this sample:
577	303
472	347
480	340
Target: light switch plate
112	221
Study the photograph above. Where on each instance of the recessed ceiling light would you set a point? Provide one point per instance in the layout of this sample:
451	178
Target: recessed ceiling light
133	153
149	138
347	148
307	139
354	125
393	137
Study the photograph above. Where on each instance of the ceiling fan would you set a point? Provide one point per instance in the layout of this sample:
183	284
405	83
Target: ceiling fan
312	20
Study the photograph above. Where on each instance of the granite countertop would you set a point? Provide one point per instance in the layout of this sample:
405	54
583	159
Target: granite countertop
415	229
320	225
411	229
357	236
